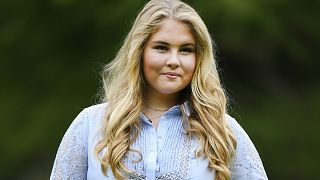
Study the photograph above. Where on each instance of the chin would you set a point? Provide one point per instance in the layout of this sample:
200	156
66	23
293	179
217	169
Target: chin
169	91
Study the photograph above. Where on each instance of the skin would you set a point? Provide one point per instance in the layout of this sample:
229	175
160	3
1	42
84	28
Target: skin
169	60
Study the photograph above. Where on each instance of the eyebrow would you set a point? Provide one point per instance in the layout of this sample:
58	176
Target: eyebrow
167	44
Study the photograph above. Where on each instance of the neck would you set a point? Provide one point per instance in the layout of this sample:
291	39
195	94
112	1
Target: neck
160	101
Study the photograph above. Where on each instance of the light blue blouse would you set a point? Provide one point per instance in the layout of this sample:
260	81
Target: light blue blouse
167	152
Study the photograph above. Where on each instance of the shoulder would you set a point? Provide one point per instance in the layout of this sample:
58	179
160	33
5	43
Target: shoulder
93	111
96	109
236	128
72	157
246	163
93	115
90	113
87	124
88	118
243	140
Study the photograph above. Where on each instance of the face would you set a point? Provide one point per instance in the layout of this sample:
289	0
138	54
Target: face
169	58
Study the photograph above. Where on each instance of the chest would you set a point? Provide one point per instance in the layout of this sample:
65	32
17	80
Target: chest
169	156
163	153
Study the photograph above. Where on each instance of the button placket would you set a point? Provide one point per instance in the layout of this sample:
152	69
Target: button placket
161	132
152	153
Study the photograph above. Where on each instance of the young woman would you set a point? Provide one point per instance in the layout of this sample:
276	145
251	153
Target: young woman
164	111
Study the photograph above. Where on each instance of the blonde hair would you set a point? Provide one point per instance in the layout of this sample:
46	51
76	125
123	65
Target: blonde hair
124	88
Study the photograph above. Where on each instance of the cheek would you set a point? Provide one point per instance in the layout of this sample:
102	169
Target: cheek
151	62
149	66
189	66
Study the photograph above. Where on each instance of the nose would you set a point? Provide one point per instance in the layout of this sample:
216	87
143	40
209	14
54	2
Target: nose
173	60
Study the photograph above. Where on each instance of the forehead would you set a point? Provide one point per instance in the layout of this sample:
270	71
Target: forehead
173	31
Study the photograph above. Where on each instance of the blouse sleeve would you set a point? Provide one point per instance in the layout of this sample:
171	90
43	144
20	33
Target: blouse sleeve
246	163
71	159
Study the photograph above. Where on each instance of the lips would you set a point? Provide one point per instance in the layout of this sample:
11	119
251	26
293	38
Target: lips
171	75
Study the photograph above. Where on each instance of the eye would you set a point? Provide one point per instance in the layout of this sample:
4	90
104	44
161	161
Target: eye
161	48
186	50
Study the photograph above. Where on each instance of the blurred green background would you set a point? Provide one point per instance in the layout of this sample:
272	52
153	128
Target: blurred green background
51	54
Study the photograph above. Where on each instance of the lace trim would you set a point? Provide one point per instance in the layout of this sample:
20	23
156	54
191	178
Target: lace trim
183	171
71	158
247	162
185	156
171	176
137	176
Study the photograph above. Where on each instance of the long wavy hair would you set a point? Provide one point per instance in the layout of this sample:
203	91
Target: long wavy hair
124	89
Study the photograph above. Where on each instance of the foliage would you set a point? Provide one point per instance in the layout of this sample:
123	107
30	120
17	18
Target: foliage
52	53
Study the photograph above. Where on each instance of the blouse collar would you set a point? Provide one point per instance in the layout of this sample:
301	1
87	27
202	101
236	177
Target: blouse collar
173	111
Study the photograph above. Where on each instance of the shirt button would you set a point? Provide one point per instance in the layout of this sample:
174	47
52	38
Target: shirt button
159	137
158	168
